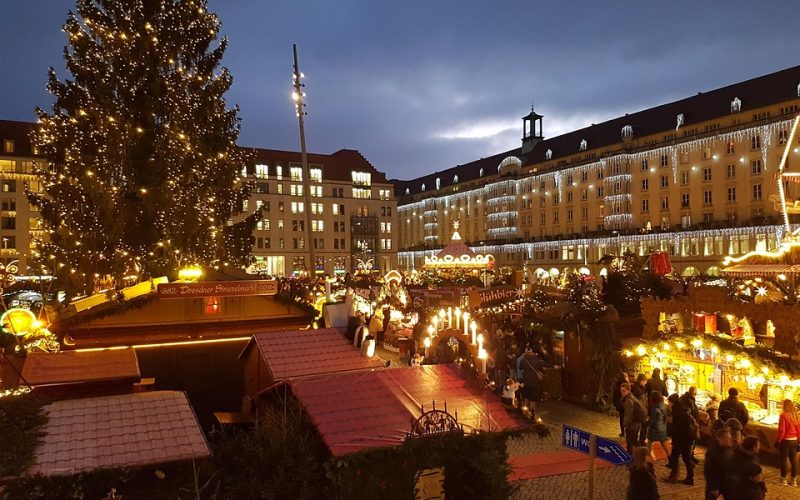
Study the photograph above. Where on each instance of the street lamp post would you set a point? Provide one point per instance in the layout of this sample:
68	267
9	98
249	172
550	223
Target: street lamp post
300	107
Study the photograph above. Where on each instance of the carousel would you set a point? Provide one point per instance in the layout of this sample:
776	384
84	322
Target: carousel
458	256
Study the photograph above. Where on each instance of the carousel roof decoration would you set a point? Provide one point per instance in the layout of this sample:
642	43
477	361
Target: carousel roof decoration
457	255
784	261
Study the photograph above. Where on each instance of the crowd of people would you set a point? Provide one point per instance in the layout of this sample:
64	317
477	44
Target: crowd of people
732	469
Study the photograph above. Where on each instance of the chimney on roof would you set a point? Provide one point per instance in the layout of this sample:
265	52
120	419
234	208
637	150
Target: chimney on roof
531	131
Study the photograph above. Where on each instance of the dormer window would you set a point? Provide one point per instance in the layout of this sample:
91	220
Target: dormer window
548	155
480	173
798	90
679	120
408	191
455	179
736	103
583	145
627	131
438	183
423	187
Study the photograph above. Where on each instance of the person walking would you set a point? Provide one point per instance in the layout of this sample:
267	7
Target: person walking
639	391
634	416
643	484
747	482
788	433
656	384
532	378
689	401
617	399
657	425
683	435
717	459
733	408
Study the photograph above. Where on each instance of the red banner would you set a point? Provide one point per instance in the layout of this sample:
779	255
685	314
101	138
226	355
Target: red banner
217	289
660	264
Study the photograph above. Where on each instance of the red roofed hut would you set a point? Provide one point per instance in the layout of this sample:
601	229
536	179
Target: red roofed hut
273	357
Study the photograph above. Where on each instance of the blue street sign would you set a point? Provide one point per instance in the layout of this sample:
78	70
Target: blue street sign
575	439
612	452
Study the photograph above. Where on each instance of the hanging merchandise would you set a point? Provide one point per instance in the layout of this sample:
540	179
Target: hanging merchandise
660	264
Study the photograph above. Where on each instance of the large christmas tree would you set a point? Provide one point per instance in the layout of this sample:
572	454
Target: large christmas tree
144	174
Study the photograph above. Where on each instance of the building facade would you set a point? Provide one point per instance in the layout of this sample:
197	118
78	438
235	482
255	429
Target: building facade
19	221
343	216
345	211
695	178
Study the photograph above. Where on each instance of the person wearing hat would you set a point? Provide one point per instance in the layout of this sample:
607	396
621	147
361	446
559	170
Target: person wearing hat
733	408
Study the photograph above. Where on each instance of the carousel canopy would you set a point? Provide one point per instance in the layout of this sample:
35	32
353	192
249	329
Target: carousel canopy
785	260
458	255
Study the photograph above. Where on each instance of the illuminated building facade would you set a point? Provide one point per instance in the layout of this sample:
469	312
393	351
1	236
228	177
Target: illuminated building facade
351	219
695	178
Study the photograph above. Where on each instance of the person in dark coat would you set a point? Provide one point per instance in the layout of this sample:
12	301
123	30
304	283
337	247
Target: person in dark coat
656	384
618	404
733	408
689	401
532	377
682	439
718	457
747	483
643	484
639	391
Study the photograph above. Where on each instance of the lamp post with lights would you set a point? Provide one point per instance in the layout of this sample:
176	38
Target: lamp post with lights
298	96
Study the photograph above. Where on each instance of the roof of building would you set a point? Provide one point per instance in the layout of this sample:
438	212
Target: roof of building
71	367
130	430
337	166
356	411
303	353
755	93
19	132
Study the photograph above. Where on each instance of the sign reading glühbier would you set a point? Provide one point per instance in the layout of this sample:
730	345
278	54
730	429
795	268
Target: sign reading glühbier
217	289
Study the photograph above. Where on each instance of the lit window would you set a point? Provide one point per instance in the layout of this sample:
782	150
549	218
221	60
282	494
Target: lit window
363	178
261	171
279	172
315	174
296	173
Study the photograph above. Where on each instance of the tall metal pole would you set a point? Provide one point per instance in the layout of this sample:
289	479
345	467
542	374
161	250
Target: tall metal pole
300	107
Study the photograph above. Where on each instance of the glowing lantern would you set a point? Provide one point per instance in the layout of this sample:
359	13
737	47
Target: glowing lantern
191	273
641	351
18	321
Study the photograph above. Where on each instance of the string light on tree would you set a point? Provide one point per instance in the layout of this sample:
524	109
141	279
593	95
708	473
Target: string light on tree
140	146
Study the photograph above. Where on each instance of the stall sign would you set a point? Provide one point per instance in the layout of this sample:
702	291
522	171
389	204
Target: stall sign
216	289
487	296
435	298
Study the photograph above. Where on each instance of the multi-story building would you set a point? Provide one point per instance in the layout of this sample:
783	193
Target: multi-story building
18	219
694	177
347	216
344	214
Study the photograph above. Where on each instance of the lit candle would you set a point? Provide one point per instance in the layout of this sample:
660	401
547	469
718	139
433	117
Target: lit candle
427	343
435	321
474	328
449	317
480	342
458	318
431	331
482	355
441	317
466	323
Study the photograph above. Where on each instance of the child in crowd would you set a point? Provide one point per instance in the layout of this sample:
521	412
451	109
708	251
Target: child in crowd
509	391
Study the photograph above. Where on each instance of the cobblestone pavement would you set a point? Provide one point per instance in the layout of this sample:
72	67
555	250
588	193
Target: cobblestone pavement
610	483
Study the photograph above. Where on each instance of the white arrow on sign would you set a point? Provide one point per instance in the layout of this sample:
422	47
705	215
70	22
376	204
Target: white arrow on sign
607	450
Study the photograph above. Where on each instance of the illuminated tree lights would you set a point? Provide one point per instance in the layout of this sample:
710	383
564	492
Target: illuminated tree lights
143	171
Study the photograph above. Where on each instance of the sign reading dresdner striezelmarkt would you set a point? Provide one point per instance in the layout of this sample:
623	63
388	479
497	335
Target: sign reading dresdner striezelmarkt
217	289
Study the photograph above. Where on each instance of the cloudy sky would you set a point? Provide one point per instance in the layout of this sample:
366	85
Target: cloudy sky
423	85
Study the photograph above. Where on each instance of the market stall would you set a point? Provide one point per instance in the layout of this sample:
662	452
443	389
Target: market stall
713	365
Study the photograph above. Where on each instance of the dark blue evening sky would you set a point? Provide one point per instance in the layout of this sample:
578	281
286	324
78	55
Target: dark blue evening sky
419	86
